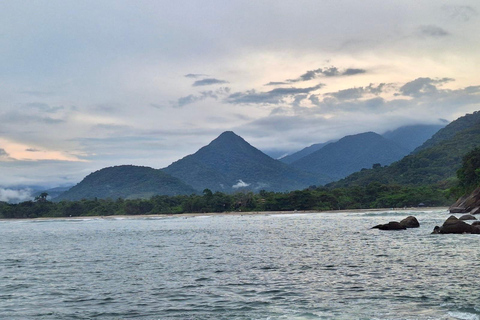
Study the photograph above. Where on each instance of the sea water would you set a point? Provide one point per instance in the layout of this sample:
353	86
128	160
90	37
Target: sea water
271	266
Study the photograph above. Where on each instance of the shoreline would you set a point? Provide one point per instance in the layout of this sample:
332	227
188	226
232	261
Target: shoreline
236	213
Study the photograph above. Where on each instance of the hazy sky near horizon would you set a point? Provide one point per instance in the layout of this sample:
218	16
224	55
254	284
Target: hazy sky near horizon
90	84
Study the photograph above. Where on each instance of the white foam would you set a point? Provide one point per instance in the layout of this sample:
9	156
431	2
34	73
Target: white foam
463	315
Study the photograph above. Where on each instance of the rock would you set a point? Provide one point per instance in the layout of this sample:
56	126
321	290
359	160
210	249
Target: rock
475	210
410	222
467	203
457	210
455	225
392	225
467	217
476	223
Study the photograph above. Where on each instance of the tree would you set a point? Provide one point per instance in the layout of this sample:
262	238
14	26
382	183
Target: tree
42	197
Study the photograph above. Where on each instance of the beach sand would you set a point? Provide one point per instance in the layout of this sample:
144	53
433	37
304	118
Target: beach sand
238	213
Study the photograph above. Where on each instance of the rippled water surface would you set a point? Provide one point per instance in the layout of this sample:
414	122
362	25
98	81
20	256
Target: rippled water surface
292	266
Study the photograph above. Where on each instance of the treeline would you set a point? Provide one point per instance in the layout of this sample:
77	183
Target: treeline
374	195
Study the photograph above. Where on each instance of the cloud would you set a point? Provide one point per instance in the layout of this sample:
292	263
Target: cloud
208	82
354	93
33	150
4	155
275	83
42	107
195	75
351	72
14	196
240	184
460	13
274	96
432	31
192	98
422	86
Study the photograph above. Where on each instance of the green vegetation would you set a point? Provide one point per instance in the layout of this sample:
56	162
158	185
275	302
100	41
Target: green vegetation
350	154
469	174
128	182
434	165
229	158
374	195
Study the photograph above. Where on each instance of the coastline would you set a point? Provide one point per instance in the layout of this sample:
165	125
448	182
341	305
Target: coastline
237	213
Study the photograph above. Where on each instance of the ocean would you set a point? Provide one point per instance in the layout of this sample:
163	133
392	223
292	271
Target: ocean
262	267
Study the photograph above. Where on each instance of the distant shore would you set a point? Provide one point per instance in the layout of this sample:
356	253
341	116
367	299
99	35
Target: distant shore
236	213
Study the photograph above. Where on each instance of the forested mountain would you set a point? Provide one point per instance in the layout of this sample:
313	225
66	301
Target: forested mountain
411	137
230	163
437	160
351	154
127	182
451	130
304	152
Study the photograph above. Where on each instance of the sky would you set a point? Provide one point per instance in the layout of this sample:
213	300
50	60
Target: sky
90	84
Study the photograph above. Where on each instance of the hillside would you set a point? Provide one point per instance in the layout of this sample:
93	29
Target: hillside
128	182
451	130
351	154
303	153
230	163
428	165
411	137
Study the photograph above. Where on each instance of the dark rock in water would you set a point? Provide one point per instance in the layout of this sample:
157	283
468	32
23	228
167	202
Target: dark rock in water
457	210
410	222
455	225
392	225
467	217
467	204
476	223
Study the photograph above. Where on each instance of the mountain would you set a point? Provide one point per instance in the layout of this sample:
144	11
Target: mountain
436	160
230	163
411	137
304	152
351	154
451	130
127	182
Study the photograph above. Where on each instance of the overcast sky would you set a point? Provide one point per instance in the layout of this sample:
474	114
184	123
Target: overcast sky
90	84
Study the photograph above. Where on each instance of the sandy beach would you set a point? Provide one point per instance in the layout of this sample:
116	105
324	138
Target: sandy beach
250	213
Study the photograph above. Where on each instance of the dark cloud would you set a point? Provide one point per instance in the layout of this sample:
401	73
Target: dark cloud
432	31
325	72
14	117
32	150
422	86
195	75
42	107
348	94
3	154
274	96
460	13
351	72
208	82
183	101
276	83
355	93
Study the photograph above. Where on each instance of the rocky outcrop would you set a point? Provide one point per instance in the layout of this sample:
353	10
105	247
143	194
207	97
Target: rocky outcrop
455	225
467	204
467	217
392	225
408	222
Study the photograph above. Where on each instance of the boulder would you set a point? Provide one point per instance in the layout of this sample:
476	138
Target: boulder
467	203
476	223
467	217
455	225
475	210
392	225
410	222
